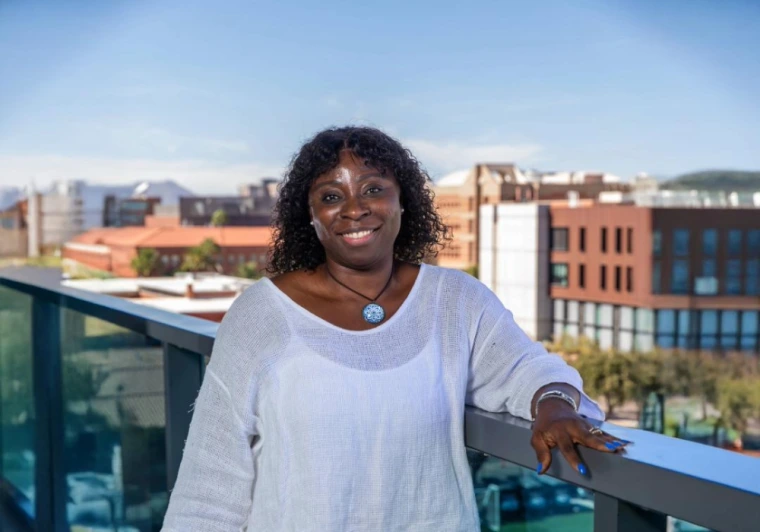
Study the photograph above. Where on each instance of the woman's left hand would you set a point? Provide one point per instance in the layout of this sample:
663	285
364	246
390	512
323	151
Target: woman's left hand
557	424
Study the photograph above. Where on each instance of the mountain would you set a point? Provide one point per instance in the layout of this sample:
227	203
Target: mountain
715	180
9	196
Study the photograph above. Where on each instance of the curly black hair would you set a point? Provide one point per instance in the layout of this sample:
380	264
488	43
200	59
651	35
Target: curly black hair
296	246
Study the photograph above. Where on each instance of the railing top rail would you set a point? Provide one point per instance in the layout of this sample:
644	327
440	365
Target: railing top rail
704	485
193	334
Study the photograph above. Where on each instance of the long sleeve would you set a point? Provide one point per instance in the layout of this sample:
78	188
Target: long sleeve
214	487
507	368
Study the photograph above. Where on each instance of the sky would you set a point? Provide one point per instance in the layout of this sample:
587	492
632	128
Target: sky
215	94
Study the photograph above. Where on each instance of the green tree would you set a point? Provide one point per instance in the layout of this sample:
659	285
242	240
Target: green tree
248	270
607	374
202	258
146	262
738	401
219	218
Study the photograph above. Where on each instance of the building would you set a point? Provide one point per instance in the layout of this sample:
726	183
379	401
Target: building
459	196
126	212
203	295
13	230
252	208
112	249
628	276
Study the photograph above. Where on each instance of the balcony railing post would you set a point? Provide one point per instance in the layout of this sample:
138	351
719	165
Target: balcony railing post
614	515
183	371
50	472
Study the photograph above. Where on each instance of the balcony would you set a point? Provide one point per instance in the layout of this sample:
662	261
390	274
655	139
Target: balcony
96	398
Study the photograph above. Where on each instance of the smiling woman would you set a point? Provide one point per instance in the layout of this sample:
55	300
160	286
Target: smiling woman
334	399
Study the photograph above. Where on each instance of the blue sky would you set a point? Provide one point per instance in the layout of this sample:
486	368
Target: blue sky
218	93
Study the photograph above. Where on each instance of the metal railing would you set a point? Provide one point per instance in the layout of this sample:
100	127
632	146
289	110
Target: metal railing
636	491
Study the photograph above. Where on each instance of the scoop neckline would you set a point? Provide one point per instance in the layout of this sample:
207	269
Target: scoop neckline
411	295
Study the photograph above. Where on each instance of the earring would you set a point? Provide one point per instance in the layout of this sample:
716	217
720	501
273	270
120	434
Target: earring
402	210
311	223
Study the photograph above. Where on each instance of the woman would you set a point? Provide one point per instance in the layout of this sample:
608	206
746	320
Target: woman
334	399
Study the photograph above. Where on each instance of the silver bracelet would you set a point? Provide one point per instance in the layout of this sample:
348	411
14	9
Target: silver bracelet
555	394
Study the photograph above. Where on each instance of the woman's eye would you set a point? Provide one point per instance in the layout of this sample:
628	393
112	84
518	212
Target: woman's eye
330	198
374	190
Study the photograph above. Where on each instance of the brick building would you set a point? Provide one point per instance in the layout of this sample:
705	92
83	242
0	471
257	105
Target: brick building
459	195
628	276
113	249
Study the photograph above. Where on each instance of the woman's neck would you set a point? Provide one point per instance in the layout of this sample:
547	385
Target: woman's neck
368	281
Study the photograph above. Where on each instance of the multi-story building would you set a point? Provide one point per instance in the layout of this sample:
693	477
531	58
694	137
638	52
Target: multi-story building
127	212
459	196
628	276
112	250
253	207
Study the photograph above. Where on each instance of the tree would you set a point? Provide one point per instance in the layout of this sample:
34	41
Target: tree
607	374
146	262
219	218
248	270
202	258
738	400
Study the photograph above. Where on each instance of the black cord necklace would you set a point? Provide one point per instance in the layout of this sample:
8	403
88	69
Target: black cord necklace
372	312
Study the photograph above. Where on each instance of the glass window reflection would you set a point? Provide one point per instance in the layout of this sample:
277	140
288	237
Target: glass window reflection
681	242
734	242
710	242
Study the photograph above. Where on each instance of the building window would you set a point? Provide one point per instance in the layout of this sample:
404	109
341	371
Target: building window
748	341
753	243
666	328
679	282
707	283
559	239
656	278
629	240
165	260
752	279
685	338
708	329
629	279
734	242
656	242
618	240
710	242
681	242
582	239
582	275
603	236
729	329
603	277
559	274
733	277
618	280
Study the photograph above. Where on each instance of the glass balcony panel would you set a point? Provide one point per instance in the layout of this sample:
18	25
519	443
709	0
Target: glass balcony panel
17	415
114	422
512	498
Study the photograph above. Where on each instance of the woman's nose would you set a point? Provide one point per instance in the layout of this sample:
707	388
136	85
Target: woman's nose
354	208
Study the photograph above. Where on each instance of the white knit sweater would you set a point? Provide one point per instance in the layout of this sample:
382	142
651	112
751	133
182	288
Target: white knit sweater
303	426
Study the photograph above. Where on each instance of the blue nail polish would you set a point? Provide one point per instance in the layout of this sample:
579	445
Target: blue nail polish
539	468
582	470
612	446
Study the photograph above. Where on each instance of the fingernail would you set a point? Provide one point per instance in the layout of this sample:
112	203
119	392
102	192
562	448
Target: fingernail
611	446
539	468
582	470
626	442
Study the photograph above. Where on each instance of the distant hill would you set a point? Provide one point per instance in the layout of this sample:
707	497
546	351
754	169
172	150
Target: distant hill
9	196
715	180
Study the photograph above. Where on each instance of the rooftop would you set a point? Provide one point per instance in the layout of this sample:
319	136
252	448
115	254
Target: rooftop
176	237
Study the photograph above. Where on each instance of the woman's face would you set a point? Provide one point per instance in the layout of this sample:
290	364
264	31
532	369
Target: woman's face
356	212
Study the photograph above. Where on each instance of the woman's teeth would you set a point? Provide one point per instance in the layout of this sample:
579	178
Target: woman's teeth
360	234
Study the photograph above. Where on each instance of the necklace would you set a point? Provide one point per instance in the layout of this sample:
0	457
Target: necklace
372	312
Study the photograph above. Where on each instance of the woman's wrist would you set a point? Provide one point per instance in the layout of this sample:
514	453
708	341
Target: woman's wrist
559	393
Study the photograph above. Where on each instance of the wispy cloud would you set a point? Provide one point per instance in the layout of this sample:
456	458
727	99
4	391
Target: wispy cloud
198	175
449	156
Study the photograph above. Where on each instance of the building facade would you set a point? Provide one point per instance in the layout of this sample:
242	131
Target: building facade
459	195
630	277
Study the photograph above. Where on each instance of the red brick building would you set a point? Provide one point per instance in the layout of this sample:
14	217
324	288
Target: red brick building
112	250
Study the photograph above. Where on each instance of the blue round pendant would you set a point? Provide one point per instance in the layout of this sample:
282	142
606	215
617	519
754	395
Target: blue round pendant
373	313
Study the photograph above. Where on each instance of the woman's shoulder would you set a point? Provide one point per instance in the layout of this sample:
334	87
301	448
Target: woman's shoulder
456	280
